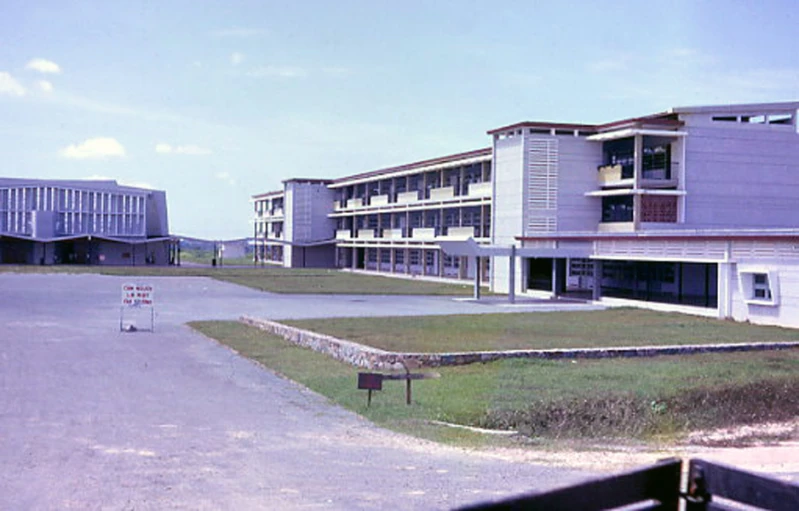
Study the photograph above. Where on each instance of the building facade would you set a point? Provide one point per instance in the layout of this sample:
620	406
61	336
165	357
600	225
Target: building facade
694	209
82	222
292	227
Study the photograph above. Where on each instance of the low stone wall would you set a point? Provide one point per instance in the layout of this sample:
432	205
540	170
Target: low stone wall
376	359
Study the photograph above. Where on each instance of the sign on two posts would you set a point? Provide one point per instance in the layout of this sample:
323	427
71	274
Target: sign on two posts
136	296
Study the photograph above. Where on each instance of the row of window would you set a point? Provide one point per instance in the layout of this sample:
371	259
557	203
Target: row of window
458	177
48	198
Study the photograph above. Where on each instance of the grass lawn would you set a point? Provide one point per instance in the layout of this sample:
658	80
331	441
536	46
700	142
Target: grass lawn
578	329
272	279
638	398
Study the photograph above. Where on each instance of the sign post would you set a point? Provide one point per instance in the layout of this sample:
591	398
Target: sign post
137	296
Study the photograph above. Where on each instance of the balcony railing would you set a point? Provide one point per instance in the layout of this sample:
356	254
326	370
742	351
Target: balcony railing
480	189
343	234
366	233
609	173
446	192
406	197
378	200
460	232
393	234
426	233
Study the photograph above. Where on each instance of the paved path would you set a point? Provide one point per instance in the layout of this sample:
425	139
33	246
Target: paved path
91	418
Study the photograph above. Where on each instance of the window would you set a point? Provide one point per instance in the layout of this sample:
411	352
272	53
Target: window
617	208
759	286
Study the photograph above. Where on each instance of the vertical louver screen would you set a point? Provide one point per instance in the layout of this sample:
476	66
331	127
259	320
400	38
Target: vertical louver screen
542	185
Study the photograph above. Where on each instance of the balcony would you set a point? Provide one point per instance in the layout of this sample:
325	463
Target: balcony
444	193
355	203
424	233
343	234
393	234
406	197
366	234
607	174
480	189
378	200
460	232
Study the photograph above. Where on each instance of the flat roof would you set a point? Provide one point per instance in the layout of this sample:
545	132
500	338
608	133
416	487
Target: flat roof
669	234
667	118
486	151
659	119
739	108
268	194
88	184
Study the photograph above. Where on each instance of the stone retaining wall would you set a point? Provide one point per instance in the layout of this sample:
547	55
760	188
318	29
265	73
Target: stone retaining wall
372	358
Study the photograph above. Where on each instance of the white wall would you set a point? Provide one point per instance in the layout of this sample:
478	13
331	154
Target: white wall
507	204
306	206
741	175
786	312
577	174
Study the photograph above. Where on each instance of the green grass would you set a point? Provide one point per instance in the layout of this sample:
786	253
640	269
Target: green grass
566	329
272	279
551	399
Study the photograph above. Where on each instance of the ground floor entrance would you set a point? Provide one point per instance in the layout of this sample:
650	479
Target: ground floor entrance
427	261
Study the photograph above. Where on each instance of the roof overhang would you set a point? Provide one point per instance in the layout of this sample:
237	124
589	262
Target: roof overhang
454	160
89	237
615	192
631	132
471	248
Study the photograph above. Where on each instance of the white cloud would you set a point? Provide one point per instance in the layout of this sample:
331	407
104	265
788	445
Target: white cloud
94	148
236	58
225	176
240	32
43	66
190	149
10	86
45	86
278	71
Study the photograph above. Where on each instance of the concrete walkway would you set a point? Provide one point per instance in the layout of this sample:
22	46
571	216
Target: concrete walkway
91	418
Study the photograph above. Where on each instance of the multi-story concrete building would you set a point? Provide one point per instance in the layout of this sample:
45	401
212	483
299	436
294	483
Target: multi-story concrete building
694	209
292	227
82	222
390	220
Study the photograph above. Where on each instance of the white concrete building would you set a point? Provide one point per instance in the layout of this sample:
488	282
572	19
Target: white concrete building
291	226
82	222
694	209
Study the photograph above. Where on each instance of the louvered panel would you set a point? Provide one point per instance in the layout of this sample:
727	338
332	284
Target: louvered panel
542	186
542	224
673	249
764	249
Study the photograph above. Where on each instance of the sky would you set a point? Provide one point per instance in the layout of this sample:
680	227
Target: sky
218	100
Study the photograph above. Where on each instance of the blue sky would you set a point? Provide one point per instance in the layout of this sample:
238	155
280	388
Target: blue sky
214	101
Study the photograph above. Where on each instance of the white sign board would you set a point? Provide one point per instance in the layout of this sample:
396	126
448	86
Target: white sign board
138	295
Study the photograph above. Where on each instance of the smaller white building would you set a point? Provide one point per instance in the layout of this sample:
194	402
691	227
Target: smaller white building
291	226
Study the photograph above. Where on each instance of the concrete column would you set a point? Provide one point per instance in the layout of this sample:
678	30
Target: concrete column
597	290
512	275
407	260
476	277
393	259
